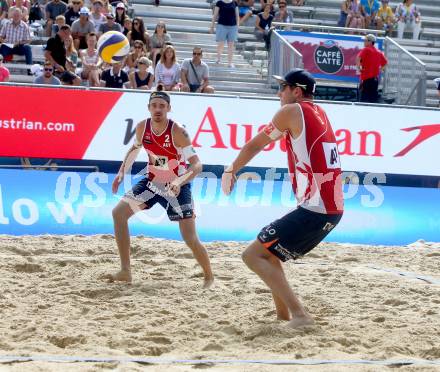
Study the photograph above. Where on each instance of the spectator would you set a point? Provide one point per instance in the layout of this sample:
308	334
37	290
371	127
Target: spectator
263	24
47	76
72	14
263	3
370	62
110	25
158	40
35	12
283	14
4	72
437	83
97	16
121	14
226	15
3	11
137	53
138	32
245	8
59	21
71	54
19	4
345	6
408	16
195	74
90	61
81	28
56	54
385	18
15	37
355	18
142	79
114	77
369	10
298	2
128	24
167	72
54	8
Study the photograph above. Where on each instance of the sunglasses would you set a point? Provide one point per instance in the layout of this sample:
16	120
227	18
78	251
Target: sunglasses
76	3
48	69
141	63
138	47
135	23
160	26
197	54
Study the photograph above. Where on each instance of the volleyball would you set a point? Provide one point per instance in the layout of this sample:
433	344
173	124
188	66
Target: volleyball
113	46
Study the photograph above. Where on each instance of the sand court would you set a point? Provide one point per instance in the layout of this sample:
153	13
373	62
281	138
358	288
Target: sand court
369	303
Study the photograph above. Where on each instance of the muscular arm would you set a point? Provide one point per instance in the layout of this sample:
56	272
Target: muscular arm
182	140
132	153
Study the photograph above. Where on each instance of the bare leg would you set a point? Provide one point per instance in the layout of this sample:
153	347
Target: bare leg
188	230
121	213
230	53
258	259
220	46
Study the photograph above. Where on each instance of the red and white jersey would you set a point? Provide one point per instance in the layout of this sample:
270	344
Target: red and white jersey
314	164
166	161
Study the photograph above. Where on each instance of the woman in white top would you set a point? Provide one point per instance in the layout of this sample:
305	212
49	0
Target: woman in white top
90	61
408	15
167	72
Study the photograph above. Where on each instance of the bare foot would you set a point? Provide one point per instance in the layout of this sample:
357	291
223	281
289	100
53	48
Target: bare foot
283	317
120	276
208	282
300	321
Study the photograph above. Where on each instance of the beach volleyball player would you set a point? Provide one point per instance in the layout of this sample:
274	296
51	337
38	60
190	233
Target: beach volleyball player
315	173
167	182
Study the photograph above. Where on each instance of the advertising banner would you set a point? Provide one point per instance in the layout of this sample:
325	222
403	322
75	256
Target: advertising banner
328	56
100	125
81	203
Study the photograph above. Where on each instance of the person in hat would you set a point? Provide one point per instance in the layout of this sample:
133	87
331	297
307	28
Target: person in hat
81	28
121	14
370	62
110	25
172	165
315	174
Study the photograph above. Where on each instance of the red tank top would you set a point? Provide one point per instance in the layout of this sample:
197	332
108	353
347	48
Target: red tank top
165	160
314	165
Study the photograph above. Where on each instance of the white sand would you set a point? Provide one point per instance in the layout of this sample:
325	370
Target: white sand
52	303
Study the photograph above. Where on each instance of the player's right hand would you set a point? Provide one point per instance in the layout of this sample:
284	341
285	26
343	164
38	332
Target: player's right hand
116	182
228	182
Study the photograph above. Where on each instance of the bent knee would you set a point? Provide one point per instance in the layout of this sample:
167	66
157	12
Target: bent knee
121	212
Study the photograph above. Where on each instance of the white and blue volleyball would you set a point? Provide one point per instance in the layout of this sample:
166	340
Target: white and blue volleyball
113	47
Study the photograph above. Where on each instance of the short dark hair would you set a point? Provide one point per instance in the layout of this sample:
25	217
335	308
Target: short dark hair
64	27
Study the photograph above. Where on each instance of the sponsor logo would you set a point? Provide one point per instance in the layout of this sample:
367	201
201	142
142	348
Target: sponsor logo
329	57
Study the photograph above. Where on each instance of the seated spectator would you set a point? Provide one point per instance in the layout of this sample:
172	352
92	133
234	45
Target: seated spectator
283	14
158	40
20	4
263	24
114	77
71	54
195	74
35	12
59	21
167	72
369	10
47	76
354	18
142	79
4	72
3	11
15	37
263	3
110	25
408	16
128	25
56	54
97	16
345	5
245	8
72	13
81	28
138	32
137	53
385	18
121	14
54	8
90	61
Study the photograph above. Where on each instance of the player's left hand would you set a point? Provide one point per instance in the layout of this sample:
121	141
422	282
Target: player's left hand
228	182
174	189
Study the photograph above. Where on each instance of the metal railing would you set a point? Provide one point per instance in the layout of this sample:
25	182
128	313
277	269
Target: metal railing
283	57
405	75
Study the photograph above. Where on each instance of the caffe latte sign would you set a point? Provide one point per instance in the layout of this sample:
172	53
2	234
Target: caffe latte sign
329	58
